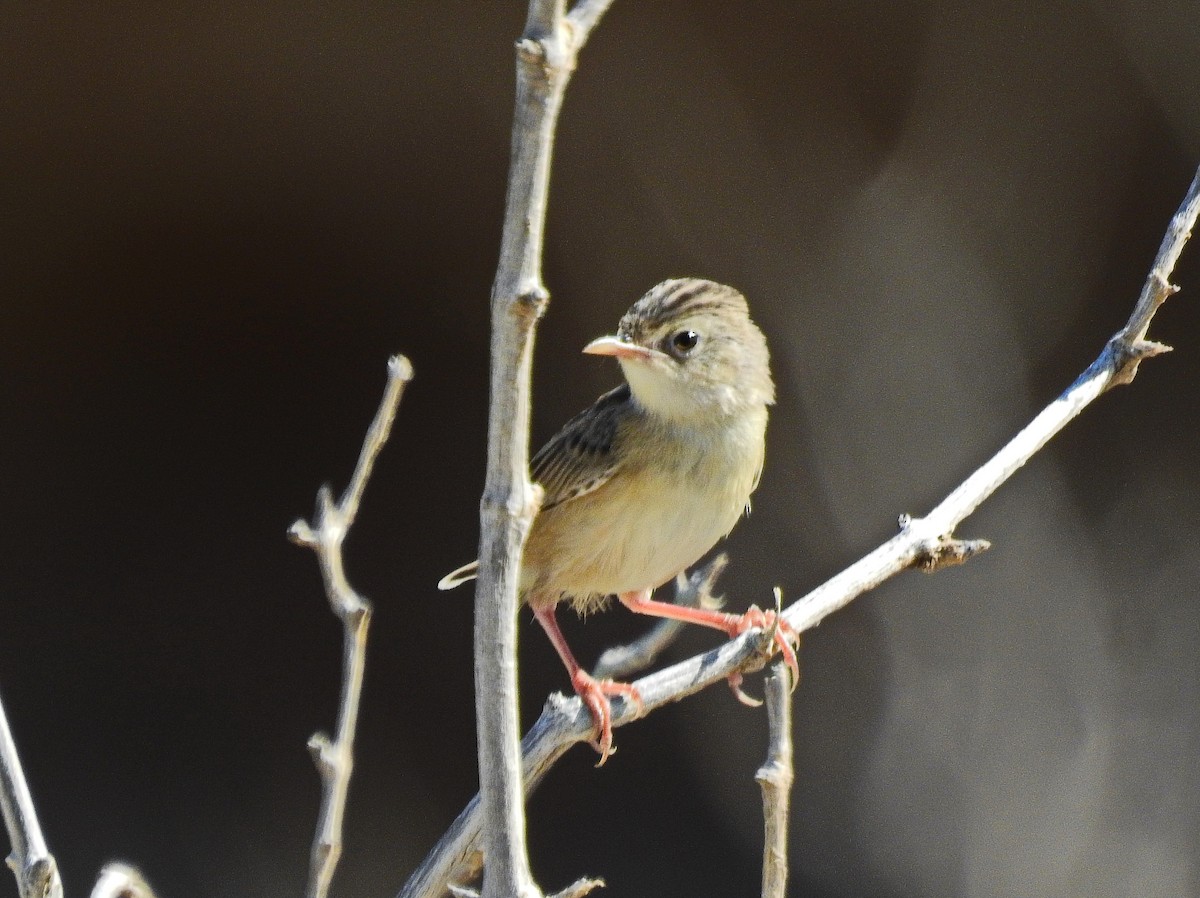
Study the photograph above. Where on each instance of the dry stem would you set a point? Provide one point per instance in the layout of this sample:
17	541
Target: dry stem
545	60
775	777
30	860
923	542
335	757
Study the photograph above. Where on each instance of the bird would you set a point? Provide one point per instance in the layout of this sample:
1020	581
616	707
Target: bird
640	485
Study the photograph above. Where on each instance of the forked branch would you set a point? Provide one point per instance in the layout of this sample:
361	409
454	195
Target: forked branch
335	757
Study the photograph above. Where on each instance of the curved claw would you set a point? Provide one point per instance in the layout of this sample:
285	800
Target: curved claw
782	632
735	684
786	650
595	694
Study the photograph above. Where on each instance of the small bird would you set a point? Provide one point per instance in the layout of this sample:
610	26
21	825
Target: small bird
644	482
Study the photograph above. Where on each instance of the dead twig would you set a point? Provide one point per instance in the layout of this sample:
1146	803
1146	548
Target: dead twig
30	860
335	757
775	777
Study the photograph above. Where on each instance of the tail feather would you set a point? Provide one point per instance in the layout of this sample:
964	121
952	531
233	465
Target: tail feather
459	576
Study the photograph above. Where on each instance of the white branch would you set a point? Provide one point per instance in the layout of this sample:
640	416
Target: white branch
335	757
775	777
30	860
924	543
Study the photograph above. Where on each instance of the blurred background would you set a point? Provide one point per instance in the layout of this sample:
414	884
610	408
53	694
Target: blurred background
220	220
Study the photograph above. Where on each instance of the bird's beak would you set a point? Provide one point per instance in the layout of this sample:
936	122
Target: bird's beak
619	349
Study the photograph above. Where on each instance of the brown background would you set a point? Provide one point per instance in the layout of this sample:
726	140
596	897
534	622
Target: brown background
217	223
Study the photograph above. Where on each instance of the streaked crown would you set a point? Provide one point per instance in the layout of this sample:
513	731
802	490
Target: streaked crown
714	357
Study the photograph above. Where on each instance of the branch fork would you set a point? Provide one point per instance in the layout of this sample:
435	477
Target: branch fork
334	756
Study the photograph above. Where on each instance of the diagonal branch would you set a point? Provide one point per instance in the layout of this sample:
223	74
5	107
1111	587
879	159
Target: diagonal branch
30	860
925	543
335	757
925	540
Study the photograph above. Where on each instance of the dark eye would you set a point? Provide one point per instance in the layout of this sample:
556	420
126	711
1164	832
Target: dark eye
684	342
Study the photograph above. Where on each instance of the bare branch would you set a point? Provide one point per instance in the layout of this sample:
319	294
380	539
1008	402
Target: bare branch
926	542
925	538
694	590
335	757
775	777
545	60
30	860
121	881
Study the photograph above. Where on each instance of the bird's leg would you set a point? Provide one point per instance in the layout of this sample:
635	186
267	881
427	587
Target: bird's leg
732	624
593	692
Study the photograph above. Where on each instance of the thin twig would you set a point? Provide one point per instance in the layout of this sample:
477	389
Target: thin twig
923	539
546	56
691	590
30	860
775	777
335	757
121	881
924	543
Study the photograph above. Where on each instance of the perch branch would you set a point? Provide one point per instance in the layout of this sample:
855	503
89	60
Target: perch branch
927	541
30	860
775	777
335	757
924	543
546	56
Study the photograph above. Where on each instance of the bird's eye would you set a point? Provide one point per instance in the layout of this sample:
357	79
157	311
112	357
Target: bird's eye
684	342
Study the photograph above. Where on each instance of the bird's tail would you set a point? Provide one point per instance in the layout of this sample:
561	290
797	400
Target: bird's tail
459	576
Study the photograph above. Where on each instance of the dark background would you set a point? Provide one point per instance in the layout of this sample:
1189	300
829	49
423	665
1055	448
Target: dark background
218	223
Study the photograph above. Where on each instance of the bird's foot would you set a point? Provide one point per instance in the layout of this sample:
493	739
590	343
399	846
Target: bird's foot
595	694
784	636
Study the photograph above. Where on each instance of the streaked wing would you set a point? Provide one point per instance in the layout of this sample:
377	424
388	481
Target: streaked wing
580	457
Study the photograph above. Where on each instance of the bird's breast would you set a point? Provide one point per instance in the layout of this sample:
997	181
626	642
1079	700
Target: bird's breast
675	494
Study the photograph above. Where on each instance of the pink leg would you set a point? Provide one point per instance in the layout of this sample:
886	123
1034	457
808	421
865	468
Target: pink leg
593	692
733	624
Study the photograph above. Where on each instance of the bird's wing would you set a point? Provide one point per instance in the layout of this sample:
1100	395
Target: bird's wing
580	457
576	461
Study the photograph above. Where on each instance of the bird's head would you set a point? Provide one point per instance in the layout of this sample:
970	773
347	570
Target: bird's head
688	348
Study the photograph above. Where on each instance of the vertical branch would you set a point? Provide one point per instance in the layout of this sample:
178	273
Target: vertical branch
30	860
545	59
335	757
775	778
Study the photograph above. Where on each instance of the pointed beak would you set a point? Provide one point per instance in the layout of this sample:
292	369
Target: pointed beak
619	349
